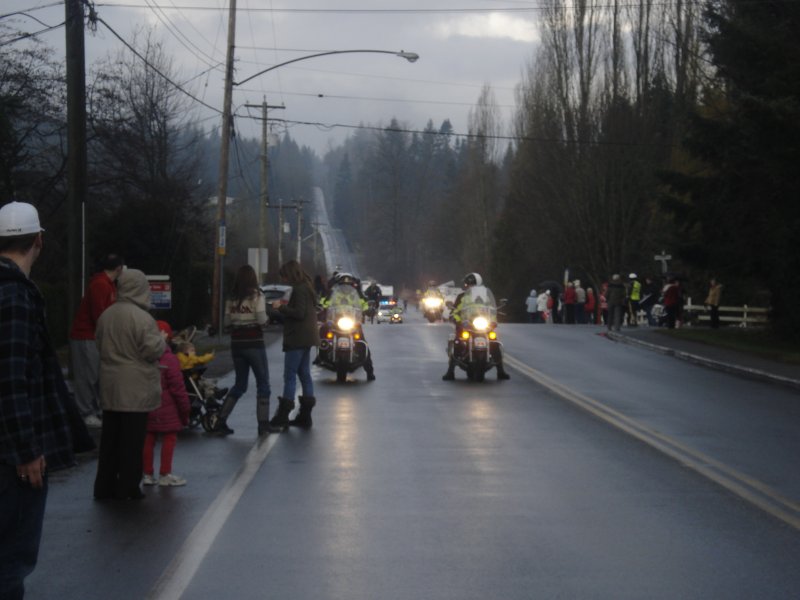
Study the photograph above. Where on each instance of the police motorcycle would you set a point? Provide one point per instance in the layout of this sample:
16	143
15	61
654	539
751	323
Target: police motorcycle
342	346
475	347
433	305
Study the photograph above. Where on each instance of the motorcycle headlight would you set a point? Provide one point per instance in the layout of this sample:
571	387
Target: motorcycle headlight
480	323
345	323
432	302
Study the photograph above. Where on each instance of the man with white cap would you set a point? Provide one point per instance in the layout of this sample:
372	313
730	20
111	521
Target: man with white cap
35	434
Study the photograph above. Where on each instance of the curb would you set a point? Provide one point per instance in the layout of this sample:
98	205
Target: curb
747	372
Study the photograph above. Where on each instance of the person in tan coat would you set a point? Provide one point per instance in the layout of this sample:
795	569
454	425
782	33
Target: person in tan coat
130	346
712	302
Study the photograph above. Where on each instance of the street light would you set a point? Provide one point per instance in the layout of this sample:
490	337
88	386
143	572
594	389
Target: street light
216	291
409	56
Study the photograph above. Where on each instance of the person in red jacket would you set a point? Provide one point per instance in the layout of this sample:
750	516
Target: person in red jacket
101	293
570	300
168	419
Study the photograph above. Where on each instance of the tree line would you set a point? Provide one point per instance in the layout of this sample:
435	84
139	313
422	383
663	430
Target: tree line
641	126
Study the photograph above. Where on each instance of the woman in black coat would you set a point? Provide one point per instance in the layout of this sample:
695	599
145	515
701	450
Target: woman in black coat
300	334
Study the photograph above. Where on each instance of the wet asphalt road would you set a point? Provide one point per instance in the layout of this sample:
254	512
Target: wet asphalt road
411	487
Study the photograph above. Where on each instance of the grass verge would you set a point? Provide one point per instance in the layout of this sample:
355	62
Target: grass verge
759	342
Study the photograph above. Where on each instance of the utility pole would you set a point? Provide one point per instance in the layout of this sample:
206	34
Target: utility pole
263	218
222	190
299	227
298	206
280	233
76	149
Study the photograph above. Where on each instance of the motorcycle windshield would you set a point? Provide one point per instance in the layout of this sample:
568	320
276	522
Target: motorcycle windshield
478	301
344	302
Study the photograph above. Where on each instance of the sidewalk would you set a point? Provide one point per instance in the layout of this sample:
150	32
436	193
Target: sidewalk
724	359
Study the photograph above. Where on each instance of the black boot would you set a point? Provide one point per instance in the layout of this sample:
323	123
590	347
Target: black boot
303	418
369	368
219	425
501	372
219	420
280	420
262	415
451	372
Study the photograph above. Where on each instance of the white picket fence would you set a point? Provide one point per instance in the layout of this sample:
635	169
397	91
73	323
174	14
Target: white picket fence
743	316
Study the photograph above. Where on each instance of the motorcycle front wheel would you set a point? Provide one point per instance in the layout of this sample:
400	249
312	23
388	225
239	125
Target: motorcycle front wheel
479	369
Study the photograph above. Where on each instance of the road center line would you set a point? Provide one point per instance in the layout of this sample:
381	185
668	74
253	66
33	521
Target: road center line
745	487
179	573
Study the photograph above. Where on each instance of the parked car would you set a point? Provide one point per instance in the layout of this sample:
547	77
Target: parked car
273	292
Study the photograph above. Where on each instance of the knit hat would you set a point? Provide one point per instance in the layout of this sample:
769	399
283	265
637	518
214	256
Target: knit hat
164	326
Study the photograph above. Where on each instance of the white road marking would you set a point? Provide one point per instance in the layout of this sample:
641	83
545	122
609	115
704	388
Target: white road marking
179	573
748	488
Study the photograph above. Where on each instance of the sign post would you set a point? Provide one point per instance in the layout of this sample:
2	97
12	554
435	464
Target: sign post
663	258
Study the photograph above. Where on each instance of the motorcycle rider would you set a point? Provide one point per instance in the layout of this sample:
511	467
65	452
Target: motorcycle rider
470	280
373	294
432	292
351	280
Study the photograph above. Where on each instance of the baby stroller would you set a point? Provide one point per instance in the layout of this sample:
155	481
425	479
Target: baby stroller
659	314
202	403
204	398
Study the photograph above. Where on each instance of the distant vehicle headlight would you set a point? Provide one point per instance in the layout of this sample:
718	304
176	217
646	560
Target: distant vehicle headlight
432	302
346	323
480	323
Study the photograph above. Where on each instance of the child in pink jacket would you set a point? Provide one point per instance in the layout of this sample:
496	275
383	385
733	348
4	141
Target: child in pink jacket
168	419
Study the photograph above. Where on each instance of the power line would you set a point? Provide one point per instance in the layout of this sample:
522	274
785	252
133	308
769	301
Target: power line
182	39
421	11
511	138
375	99
26	36
30	10
151	66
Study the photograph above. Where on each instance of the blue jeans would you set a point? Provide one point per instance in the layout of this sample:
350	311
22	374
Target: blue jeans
21	516
296	363
245	359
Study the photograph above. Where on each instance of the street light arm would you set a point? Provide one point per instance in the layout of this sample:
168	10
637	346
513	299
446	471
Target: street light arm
409	56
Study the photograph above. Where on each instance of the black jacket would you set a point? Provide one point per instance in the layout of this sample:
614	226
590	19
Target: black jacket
300	319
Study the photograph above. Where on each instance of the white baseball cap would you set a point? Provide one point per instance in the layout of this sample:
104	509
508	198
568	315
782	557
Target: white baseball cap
19	218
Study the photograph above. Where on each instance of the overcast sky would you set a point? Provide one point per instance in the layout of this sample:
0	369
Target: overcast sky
462	44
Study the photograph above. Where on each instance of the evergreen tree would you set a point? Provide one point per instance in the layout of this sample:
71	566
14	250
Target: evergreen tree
742	210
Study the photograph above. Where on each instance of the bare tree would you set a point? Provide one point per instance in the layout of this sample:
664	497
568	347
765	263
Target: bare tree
146	201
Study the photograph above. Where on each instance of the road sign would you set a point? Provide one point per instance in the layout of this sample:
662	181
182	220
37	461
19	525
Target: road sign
160	292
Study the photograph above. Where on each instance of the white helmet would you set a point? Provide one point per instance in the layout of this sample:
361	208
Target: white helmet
346	278
632	276
19	218
471	279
